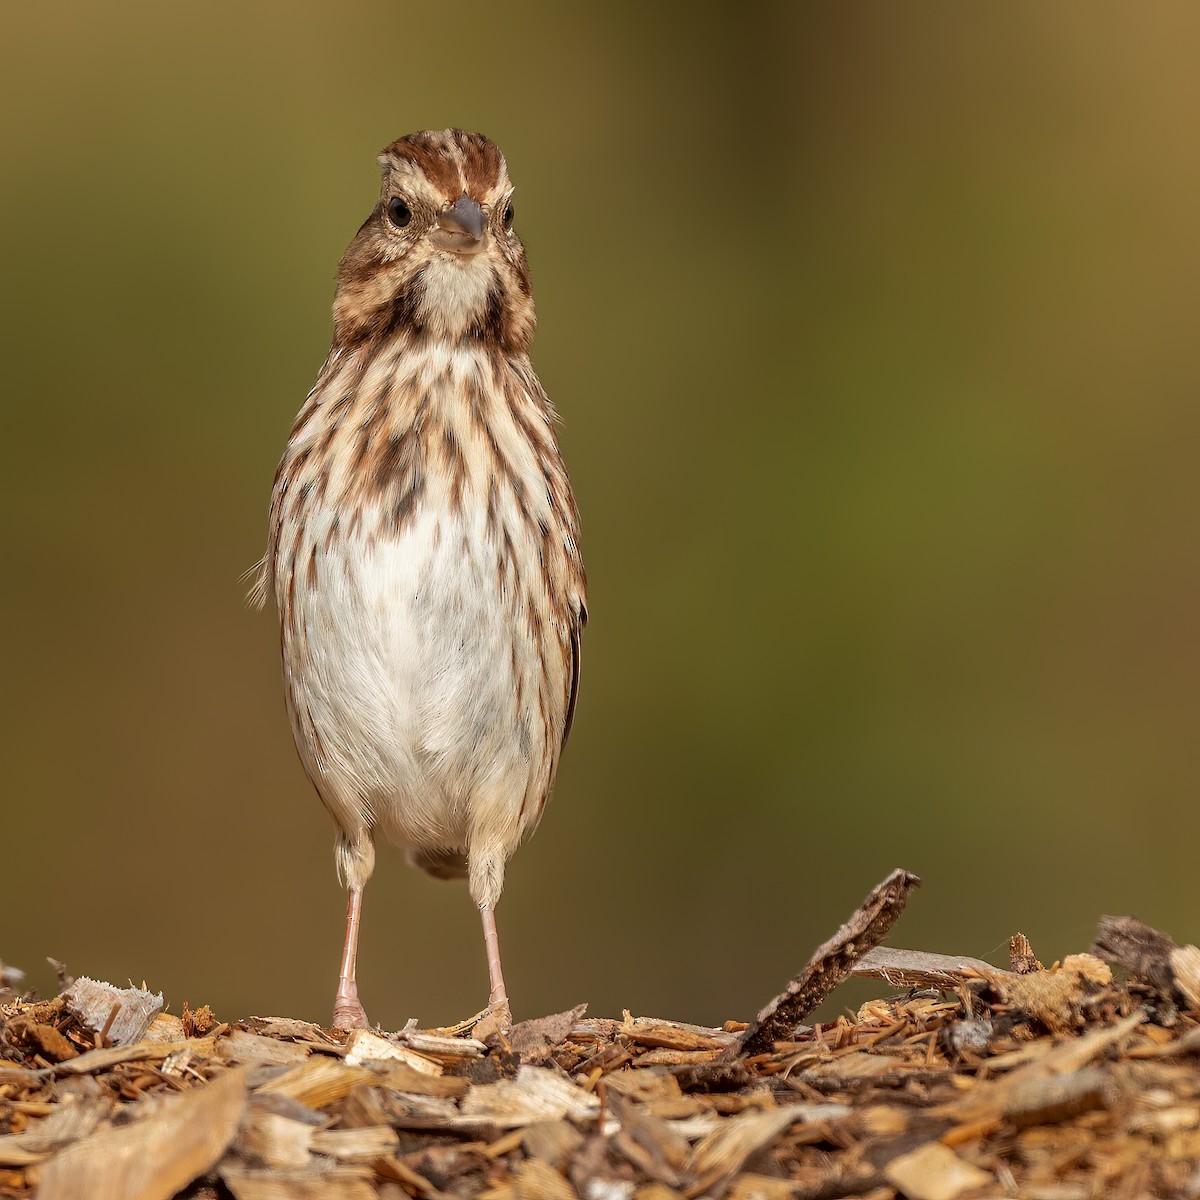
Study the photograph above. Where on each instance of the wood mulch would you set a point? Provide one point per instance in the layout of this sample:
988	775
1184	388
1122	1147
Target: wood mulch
963	1079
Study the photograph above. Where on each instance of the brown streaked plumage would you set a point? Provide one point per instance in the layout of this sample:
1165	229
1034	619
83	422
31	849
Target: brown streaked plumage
423	544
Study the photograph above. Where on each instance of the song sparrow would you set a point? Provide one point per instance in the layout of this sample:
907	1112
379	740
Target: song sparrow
423	548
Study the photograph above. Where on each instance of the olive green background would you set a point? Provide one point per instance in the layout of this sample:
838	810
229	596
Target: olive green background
874	329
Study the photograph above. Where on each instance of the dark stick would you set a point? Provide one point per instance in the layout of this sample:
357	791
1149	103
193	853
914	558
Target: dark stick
830	964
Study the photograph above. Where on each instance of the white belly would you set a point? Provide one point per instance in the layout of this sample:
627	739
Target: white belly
418	680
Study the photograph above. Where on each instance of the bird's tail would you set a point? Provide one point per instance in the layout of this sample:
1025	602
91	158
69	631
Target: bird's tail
441	864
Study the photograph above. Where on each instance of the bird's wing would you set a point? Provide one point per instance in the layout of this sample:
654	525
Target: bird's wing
576	655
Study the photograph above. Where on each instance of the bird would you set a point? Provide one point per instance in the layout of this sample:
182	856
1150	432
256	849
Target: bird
423	546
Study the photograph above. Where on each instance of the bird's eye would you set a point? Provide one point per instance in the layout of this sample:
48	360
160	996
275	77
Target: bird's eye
508	217
399	212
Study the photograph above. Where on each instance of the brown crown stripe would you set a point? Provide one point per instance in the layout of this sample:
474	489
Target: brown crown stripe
451	158
429	153
483	163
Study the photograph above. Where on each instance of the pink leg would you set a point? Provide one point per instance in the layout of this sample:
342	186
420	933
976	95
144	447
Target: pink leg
347	1011
498	1000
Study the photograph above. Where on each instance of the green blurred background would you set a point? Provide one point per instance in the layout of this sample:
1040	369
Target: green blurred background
875	333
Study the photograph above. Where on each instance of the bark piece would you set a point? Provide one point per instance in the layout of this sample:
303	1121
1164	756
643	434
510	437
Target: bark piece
156	1157
11	978
674	1035
919	969
289	1028
1142	950
830	964
434	1045
535	1041
44	1039
122	1014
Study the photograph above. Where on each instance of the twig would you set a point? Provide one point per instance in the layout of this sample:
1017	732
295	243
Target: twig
830	964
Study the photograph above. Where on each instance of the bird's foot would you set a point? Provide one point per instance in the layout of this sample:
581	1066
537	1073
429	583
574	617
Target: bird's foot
348	1013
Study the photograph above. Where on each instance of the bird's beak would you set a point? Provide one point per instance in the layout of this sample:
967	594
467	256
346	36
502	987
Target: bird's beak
460	227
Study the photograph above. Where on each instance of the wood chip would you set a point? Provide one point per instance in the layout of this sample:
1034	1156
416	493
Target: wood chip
536	1094
356	1145
763	1187
554	1142
1185	966
723	1153
400	1077
393	1168
240	1046
250	1184
63	1125
1055	998
166	1027
103	1060
934	1172
1047	1101
318	1082
155	1157
1021	957
362	1046
648	1142
964	1092
537	1180
124	1014
270	1139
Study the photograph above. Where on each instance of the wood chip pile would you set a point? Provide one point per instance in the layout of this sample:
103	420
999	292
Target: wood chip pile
962	1080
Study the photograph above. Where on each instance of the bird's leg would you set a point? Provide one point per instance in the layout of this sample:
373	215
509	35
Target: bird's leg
498	999
347	1011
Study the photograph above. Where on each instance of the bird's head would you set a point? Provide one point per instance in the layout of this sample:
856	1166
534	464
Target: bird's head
438	257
